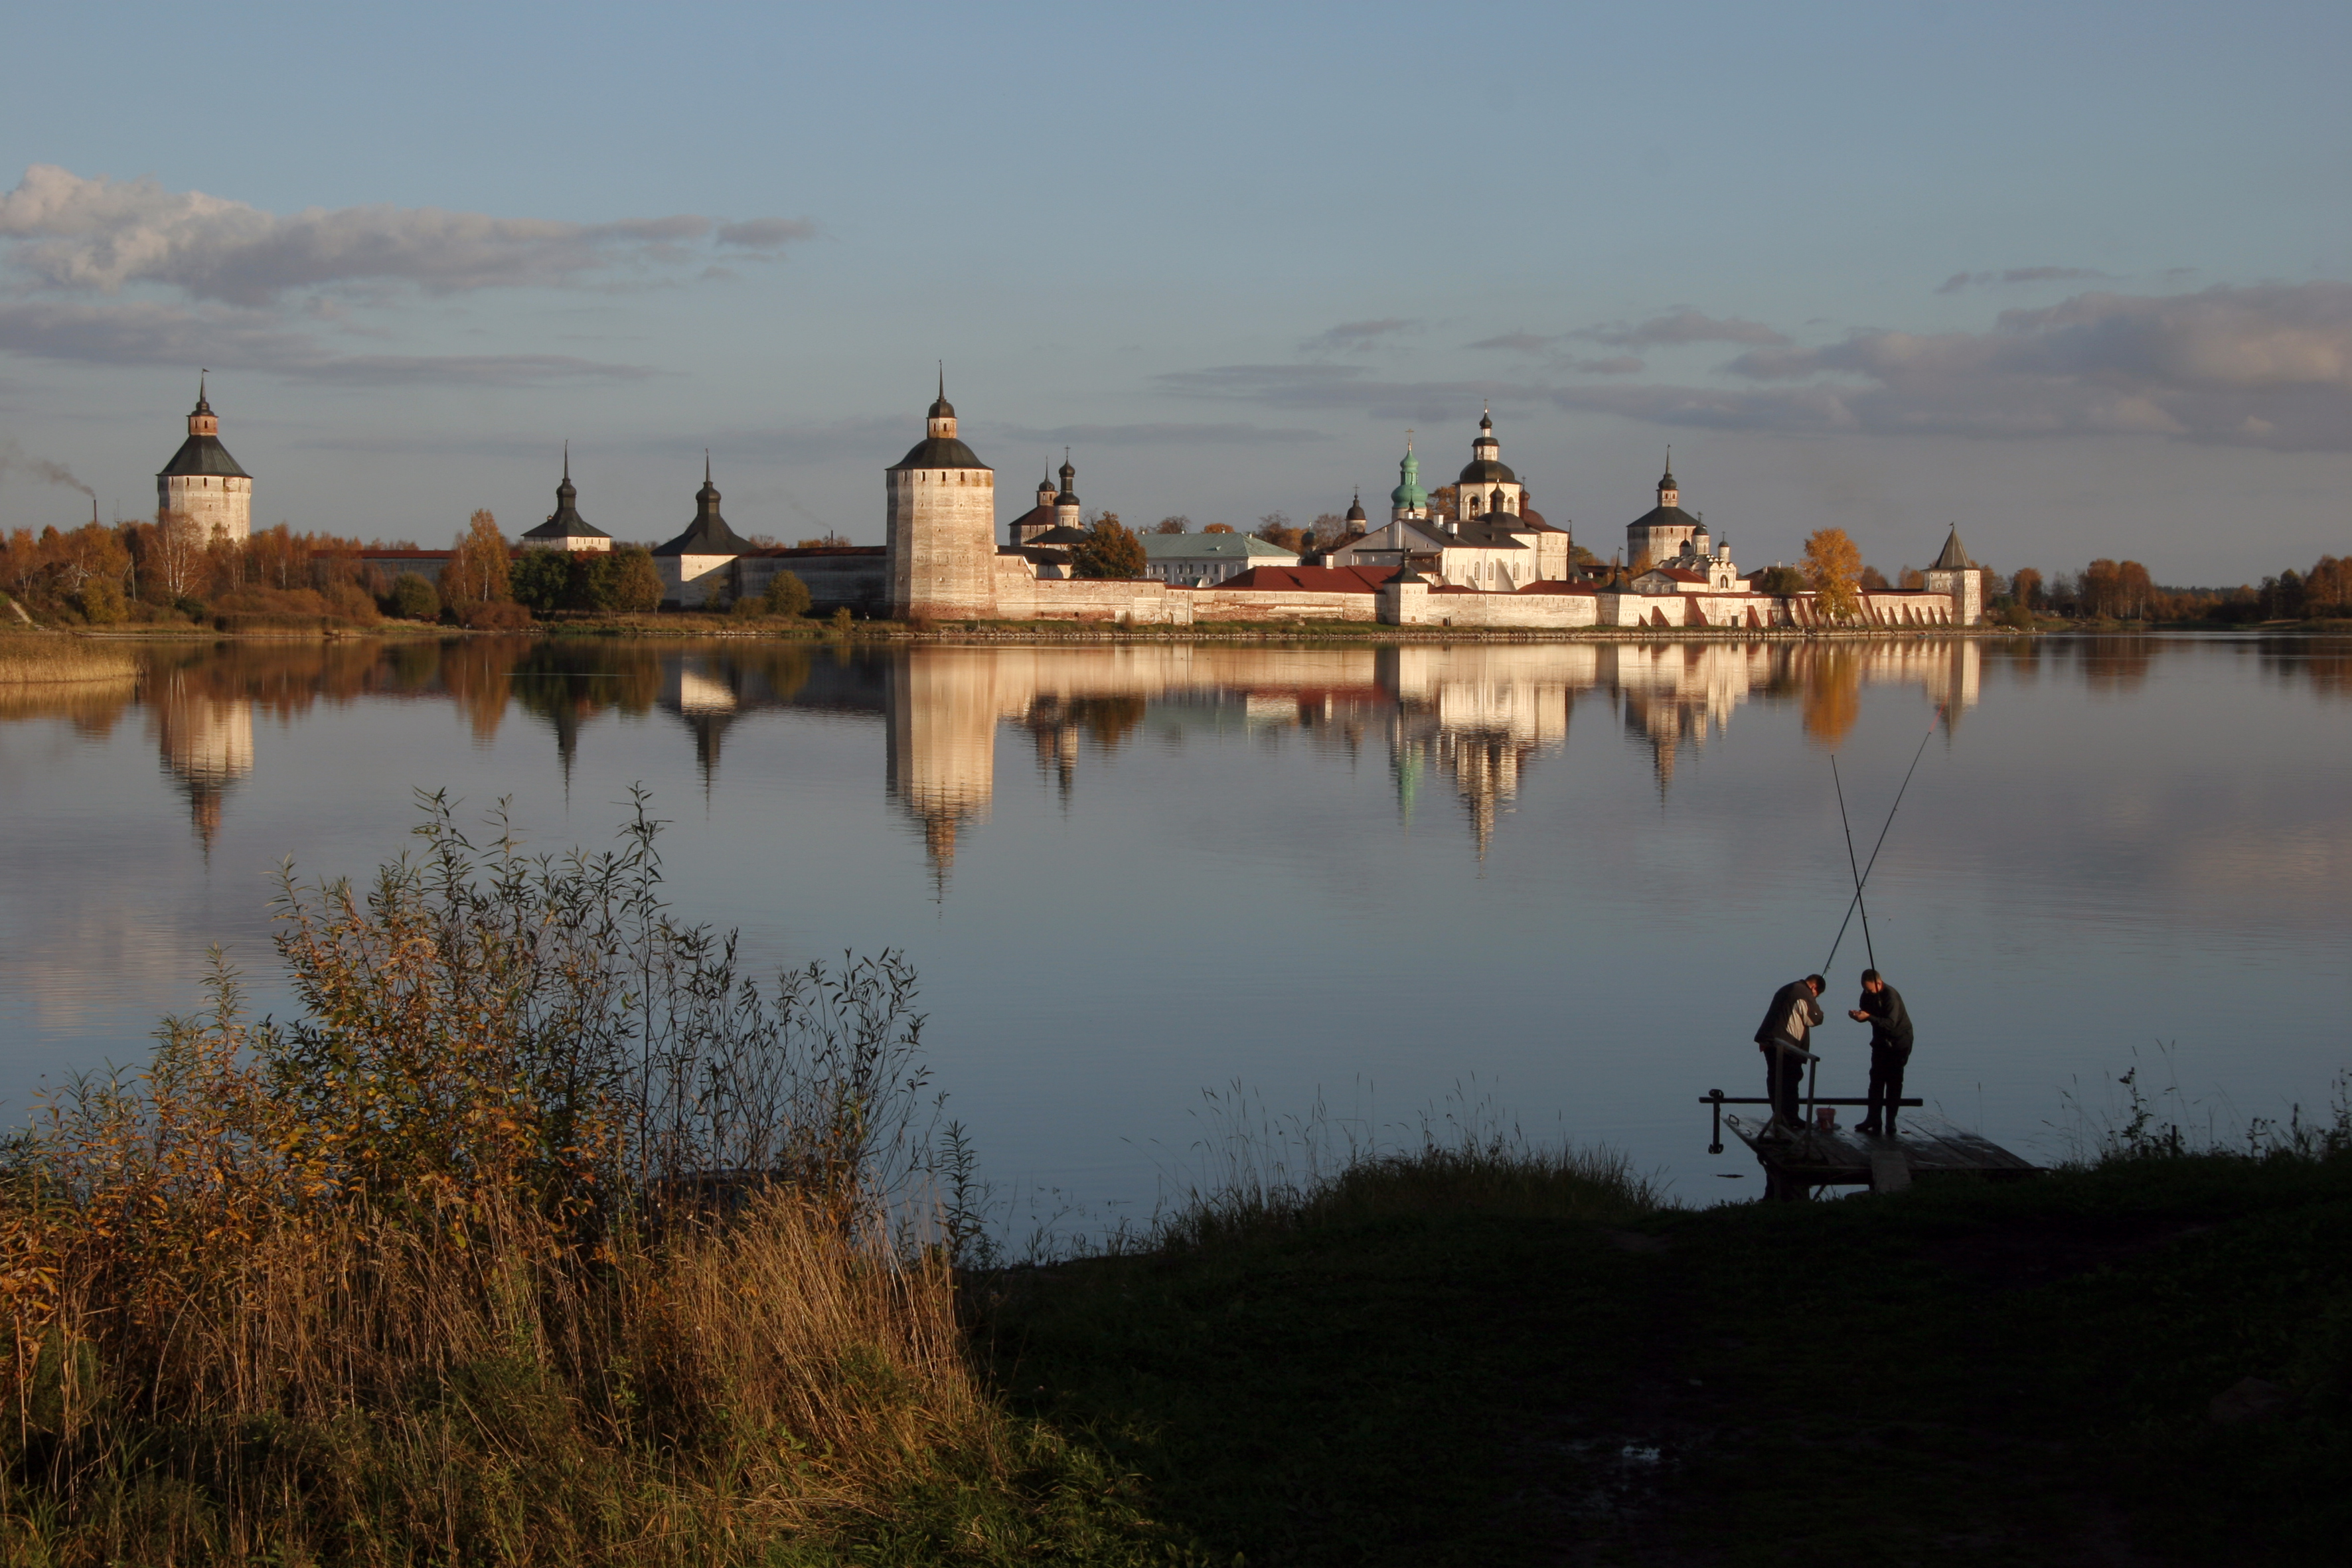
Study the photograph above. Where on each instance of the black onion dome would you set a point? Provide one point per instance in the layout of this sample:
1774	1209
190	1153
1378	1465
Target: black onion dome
1484	471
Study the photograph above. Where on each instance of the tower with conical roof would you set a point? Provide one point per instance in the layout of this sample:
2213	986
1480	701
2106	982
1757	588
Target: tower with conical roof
698	566
1955	574
203	483
565	528
1665	531
942	525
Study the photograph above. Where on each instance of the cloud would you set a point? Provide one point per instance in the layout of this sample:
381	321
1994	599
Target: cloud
1521	342
1349	337
1538	345
2265	365
144	332
1959	280
1160	435
69	233
1684	326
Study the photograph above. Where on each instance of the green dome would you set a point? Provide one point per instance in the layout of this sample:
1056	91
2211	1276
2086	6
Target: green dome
1409	493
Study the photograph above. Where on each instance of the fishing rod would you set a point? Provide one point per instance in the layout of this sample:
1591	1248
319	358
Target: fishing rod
1874	848
1847	823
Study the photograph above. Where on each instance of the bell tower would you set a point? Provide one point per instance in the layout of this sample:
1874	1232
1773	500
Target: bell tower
202	482
942	524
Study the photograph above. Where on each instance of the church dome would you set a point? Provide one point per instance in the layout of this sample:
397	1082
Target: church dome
1484	471
1356	509
1409	493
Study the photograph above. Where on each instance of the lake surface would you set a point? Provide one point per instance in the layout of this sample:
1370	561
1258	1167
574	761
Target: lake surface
1559	880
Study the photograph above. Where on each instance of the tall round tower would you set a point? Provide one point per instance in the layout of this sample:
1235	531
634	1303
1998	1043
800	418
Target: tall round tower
942	525
203	483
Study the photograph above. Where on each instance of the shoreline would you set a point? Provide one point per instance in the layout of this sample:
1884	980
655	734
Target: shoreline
1033	635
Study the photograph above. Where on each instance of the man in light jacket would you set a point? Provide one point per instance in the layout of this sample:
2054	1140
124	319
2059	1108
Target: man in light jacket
1788	1024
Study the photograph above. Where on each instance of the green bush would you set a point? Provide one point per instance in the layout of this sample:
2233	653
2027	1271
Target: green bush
788	595
542	580
100	602
636	581
415	598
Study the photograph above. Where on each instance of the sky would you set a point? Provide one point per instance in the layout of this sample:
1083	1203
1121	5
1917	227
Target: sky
2077	279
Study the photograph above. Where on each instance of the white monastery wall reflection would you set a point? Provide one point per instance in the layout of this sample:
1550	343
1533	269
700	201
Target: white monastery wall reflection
1479	715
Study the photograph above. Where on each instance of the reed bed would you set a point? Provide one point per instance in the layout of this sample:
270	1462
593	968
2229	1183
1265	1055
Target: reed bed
538	1236
43	660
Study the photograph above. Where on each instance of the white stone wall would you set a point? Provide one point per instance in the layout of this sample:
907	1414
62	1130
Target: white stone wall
690	581
220	505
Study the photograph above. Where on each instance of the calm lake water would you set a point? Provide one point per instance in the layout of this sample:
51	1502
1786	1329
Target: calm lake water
1560	879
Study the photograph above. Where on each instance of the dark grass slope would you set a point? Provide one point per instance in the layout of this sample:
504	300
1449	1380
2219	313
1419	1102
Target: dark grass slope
1437	1366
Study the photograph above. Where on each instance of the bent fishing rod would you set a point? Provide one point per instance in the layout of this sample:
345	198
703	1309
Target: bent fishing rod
1863	876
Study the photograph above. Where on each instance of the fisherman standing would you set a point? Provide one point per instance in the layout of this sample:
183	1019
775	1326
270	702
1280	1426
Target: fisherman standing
1781	1037
1890	1049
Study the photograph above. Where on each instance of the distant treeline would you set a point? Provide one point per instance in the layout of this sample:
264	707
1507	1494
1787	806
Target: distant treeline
169	571
2123	591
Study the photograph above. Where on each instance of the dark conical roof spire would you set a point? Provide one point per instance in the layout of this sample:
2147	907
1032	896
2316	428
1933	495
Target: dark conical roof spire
944	409
565	522
1955	557
708	534
203	403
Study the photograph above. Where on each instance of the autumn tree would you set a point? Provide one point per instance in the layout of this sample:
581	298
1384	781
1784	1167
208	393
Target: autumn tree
2026	587
1832	569
1276	529
1329	527
1109	549
478	573
1218	528
1911	580
1779	581
1873	581
787	595
1178	524
175	555
638	587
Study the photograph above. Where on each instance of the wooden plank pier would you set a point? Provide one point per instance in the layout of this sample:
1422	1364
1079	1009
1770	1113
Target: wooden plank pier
1796	1162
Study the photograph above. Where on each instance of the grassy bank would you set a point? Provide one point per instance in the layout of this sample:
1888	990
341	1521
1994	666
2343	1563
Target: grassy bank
535	1232
1450	1360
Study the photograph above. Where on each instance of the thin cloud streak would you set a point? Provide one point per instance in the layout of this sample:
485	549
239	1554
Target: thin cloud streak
1959	280
143	332
73	235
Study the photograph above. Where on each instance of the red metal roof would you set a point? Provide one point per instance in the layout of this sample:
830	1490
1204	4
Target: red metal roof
1311	579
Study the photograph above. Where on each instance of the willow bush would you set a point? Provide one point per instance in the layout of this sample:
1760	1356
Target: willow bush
539	1233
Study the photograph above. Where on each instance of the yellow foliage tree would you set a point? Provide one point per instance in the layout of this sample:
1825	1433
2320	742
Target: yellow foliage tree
477	571
1833	568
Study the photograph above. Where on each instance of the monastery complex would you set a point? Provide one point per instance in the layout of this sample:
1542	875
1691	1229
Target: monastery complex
1488	560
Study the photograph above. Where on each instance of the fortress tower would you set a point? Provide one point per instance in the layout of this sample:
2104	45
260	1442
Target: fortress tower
942	525
203	483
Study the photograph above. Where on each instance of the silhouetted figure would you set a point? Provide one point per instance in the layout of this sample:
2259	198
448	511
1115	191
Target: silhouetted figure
1890	1050
1788	1025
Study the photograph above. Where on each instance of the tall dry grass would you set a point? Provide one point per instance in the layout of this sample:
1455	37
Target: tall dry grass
537	1236
42	660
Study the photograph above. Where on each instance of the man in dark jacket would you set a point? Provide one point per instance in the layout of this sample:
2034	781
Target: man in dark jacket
1788	1024
1890	1050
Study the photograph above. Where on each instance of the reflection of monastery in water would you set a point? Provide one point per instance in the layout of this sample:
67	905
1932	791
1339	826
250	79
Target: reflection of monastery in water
207	743
1473	720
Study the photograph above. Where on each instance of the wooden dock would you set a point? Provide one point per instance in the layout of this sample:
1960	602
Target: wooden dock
1928	1146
